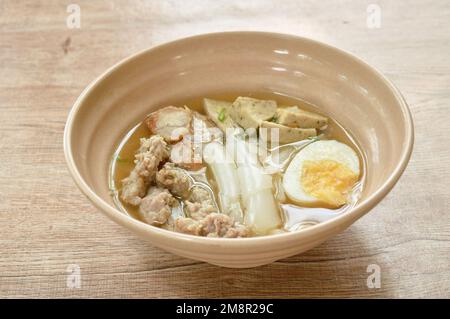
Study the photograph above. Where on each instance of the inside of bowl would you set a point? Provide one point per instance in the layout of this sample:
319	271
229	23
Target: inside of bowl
341	86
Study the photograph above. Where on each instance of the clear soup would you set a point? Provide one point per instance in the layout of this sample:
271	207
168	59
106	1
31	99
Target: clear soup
293	216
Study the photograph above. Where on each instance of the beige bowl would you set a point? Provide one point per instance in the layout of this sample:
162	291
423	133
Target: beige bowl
346	88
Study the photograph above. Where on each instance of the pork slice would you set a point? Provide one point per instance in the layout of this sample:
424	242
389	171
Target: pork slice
171	122
156	206
204	130
187	154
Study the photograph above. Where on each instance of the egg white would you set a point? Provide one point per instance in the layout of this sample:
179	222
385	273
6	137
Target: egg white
317	151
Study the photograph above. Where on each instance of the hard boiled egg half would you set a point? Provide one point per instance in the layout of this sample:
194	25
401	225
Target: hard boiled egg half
322	174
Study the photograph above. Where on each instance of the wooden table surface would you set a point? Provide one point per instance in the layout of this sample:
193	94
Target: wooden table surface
47	225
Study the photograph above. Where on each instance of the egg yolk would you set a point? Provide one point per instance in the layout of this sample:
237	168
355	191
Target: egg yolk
328	181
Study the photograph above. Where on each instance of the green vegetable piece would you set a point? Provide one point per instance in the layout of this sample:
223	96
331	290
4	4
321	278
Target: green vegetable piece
221	116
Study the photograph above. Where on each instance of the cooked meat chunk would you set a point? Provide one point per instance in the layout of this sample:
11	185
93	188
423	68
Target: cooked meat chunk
221	225
200	203
188	226
133	188
155	208
198	211
174	179
212	225
200	194
287	134
294	117
152	152
171	122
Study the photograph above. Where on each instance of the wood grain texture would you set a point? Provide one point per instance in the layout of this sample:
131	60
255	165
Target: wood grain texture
46	224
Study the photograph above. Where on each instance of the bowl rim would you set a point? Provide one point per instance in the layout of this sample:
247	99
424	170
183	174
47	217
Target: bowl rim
353	214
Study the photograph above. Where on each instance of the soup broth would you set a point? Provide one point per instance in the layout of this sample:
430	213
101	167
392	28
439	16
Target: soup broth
292	215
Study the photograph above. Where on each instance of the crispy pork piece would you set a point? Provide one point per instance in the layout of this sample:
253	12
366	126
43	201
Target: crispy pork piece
186	154
156	206
152	152
204	130
171	122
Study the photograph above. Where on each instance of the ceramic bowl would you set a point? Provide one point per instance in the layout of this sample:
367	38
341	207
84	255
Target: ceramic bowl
343	86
